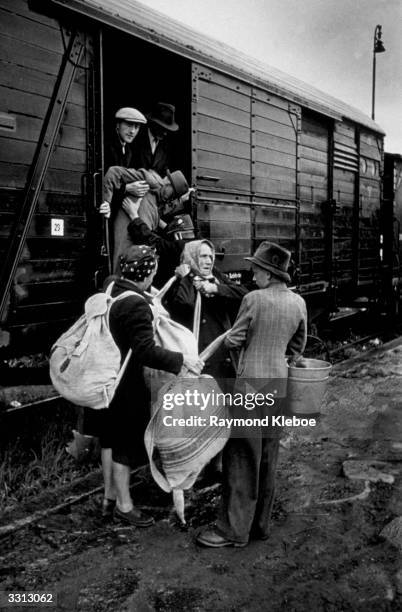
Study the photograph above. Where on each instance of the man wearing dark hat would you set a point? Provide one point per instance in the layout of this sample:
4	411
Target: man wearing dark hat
131	327
271	324
152	149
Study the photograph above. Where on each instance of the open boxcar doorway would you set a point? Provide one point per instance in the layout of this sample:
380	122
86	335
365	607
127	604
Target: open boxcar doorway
138	74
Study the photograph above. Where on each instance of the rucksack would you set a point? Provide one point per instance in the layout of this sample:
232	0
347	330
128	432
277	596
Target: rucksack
85	361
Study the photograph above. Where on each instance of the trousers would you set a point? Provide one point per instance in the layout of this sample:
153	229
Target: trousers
248	473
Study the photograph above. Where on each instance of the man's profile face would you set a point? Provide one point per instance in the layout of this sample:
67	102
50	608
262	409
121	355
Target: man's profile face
167	192
127	131
261	277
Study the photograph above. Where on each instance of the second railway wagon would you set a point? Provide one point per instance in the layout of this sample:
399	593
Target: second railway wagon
270	157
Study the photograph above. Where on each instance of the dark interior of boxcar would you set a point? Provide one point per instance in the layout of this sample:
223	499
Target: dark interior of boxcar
139	74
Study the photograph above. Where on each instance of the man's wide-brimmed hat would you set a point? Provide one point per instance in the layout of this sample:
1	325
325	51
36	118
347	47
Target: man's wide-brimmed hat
178	182
272	257
130	115
163	115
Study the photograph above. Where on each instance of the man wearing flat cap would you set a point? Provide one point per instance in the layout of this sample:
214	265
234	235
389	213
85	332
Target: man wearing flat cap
152	149
271	324
119	150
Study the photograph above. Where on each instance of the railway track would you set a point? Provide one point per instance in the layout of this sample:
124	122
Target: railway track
328	353
7	528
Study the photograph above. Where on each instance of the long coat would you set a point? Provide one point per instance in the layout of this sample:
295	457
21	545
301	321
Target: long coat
271	323
131	327
114	184
217	314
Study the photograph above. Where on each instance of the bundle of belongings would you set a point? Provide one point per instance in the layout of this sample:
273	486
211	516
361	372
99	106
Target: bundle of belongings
85	368
85	362
184	446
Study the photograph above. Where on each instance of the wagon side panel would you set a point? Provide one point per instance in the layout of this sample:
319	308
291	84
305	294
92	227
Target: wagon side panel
46	285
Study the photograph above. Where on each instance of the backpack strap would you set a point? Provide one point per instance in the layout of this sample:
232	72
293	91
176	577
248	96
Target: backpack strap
129	352
109	288
197	315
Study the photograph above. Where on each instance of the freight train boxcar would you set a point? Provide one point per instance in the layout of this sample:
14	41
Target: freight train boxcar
391	236
270	157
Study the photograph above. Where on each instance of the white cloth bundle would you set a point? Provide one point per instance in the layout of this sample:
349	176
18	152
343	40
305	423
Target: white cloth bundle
183	450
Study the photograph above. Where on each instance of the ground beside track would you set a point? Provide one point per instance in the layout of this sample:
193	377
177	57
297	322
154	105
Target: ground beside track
320	556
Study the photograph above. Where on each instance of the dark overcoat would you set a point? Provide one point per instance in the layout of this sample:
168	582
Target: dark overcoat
168	250
217	314
130	323
143	157
114	155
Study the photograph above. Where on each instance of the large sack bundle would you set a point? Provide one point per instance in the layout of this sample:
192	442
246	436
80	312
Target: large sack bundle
170	335
183	450
85	361
188	446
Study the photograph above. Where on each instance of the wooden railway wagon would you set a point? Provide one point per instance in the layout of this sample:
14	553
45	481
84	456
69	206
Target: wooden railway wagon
270	157
391	247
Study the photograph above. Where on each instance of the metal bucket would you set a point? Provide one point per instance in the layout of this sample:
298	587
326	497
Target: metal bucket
306	386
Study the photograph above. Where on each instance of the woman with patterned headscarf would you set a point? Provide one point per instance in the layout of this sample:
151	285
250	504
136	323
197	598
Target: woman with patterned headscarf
219	300
130	322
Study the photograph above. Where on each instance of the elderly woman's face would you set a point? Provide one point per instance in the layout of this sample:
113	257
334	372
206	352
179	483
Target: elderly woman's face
205	260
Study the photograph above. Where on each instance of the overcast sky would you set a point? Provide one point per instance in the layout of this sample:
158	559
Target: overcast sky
327	43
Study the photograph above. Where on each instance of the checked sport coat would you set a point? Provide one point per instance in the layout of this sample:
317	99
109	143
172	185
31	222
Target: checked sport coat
271	323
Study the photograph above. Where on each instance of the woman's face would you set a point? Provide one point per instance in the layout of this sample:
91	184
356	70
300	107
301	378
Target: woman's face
205	260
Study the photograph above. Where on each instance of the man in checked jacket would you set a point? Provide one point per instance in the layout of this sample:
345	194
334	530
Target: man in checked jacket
271	324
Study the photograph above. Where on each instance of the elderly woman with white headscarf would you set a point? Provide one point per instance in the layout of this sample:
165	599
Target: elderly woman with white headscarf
220	301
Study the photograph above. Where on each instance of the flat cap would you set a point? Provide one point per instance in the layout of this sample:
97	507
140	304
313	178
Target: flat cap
131	115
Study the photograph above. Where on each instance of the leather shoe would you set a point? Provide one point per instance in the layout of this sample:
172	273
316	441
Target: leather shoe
258	535
134	517
108	506
214	539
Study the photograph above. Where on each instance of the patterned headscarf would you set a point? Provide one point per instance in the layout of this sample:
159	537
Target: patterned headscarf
191	253
138	262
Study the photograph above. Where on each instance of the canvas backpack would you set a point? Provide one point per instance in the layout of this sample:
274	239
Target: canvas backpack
85	361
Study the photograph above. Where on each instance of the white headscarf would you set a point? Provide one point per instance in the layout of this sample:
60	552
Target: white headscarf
191	255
